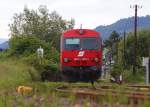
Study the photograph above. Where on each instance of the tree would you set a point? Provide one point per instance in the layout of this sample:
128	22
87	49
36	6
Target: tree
143	47
113	36
112	39
40	23
112	44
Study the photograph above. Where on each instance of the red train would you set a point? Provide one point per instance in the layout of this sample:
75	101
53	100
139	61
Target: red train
81	55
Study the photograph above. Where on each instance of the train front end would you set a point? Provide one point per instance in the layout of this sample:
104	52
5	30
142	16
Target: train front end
81	55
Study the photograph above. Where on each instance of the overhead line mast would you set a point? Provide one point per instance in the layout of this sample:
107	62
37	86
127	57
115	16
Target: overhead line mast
135	38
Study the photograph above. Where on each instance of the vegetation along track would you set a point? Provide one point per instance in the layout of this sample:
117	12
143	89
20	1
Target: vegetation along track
134	93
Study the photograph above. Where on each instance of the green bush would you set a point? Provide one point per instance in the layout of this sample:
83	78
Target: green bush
23	48
116	70
25	45
5	54
40	64
52	54
130	78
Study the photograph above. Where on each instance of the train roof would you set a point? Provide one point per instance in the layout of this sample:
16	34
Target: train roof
80	33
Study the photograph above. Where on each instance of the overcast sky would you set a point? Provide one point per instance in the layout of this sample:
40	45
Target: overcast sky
89	13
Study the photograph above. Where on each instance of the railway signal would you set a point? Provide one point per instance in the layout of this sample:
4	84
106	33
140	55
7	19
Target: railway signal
40	52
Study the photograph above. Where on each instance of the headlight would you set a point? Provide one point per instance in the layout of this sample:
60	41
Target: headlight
66	59
96	59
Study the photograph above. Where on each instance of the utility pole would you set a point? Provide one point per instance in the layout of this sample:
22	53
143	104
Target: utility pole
135	39
111	54
117	50
124	48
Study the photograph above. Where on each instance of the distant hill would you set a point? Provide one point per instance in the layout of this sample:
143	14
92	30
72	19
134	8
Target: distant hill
4	45
3	40
126	24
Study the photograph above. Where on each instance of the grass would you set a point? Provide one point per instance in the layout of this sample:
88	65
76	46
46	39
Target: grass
136	79
13	73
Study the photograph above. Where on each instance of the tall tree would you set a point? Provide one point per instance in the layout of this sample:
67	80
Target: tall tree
40	23
143	47
112	44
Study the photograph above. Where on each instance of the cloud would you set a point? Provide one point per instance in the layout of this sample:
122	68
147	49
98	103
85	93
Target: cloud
90	13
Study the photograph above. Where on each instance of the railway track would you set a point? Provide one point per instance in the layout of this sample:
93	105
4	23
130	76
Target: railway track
134	93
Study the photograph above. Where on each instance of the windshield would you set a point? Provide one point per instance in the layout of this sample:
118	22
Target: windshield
72	43
90	43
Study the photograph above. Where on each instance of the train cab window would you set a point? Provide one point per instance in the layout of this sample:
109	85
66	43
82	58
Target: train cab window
90	43
72	44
